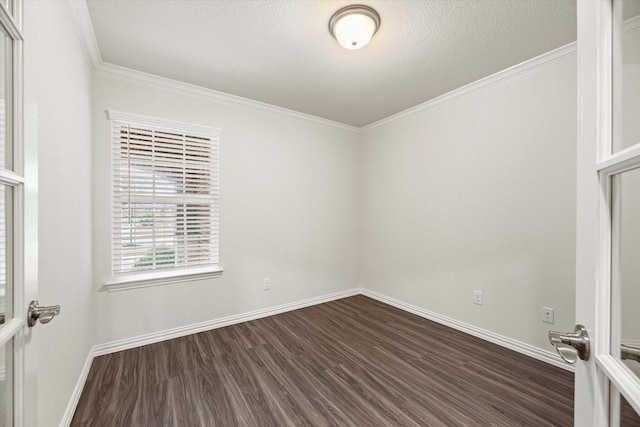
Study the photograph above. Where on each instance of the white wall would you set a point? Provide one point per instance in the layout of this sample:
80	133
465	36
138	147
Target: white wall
58	92
289	211
478	192
474	193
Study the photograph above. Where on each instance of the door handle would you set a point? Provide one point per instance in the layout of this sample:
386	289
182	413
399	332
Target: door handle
571	345
44	314
629	352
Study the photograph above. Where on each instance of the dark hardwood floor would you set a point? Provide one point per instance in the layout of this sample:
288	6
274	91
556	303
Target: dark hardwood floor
628	416
351	362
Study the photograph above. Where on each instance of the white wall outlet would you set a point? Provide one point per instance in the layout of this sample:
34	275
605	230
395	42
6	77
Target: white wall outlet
477	297
267	284
547	315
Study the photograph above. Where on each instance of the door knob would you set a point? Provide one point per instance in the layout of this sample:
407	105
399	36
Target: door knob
44	314
572	345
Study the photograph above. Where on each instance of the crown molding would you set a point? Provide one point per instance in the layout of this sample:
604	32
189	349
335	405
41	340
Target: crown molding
127	74
84	29
123	73
549	58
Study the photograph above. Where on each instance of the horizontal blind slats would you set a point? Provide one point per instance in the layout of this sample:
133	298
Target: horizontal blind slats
161	238
165	198
151	146
160	266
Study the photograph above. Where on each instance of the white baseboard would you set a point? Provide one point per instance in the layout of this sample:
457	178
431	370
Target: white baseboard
182	331
510	343
128	343
77	391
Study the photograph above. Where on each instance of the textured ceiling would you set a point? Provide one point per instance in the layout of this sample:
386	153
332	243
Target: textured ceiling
280	52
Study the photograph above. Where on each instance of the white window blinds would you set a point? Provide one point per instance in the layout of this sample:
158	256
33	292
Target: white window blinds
165	194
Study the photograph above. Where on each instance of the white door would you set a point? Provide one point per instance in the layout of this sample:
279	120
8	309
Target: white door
608	212
18	229
12	312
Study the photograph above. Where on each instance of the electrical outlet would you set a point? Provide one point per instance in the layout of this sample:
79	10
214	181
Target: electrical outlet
267	284
547	315
477	297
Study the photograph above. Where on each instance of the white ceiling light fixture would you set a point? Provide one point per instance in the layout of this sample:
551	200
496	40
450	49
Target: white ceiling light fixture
353	26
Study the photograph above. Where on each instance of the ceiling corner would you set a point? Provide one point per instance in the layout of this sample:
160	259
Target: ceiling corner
84	28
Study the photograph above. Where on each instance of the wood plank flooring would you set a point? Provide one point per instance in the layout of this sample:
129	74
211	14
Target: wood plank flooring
351	362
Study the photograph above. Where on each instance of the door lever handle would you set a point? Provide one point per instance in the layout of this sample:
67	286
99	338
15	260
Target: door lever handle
571	345
629	352
44	314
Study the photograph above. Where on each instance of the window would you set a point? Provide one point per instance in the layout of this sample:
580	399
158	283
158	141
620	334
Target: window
165	207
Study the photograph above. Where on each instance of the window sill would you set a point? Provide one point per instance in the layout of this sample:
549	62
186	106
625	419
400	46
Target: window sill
135	281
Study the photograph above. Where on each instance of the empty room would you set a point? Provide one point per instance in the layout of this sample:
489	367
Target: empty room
320	213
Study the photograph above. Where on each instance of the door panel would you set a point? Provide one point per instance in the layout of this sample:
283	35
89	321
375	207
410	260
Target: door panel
12	219
591	388
608	183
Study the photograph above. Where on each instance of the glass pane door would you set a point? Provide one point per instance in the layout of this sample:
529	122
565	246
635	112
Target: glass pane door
626	74
12	316
6	100
619	355
6	251
625	272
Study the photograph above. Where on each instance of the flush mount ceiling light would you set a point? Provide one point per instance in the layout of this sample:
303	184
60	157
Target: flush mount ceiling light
353	26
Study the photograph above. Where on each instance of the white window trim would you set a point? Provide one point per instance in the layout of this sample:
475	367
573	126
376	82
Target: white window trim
146	279
170	125
157	278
